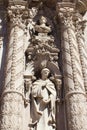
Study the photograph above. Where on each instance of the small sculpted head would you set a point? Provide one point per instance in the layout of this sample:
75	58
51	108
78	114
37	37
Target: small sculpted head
45	73
43	20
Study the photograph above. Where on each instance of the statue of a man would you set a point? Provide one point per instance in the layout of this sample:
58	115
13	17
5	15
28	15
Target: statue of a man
43	97
43	28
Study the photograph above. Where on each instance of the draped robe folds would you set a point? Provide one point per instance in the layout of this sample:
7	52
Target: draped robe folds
41	112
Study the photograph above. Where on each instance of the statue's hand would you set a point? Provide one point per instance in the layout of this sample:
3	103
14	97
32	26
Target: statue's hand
44	84
43	87
46	101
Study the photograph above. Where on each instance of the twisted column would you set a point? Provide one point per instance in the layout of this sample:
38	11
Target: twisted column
1	40
81	46
73	80
1	43
12	103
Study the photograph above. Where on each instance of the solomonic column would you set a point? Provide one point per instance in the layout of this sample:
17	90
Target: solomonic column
80	26
1	41
75	95
12	99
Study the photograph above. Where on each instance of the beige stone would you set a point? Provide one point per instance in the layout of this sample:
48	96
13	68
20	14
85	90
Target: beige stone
43	65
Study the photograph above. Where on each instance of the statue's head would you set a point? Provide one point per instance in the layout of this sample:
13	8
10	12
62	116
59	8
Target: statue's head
45	73
43	20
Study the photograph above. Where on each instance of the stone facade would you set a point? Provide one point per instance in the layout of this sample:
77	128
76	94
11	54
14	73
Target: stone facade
43	65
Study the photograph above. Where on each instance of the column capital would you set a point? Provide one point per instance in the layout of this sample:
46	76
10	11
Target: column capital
65	7
66	12
17	15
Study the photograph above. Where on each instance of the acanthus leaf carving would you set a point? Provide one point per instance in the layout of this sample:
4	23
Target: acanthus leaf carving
18	15
66	13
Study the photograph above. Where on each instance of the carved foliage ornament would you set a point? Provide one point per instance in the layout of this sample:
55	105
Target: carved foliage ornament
17	14
42	44
42	53
66	13
42	60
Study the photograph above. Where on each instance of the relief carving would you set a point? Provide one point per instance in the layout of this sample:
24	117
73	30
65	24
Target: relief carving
66	13
42	44
42	77
17	15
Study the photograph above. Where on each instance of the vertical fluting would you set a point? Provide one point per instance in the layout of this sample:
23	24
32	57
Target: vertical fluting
74	90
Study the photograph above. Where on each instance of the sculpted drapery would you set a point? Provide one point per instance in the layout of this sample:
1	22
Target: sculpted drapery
43	97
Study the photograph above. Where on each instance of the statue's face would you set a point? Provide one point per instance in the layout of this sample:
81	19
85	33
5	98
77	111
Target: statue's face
45	73
43	20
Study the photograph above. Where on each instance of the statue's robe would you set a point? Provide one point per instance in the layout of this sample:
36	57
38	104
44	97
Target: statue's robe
43	113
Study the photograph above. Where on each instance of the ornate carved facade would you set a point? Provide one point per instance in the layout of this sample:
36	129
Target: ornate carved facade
43	59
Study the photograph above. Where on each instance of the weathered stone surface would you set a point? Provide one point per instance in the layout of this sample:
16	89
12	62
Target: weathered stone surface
43	59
